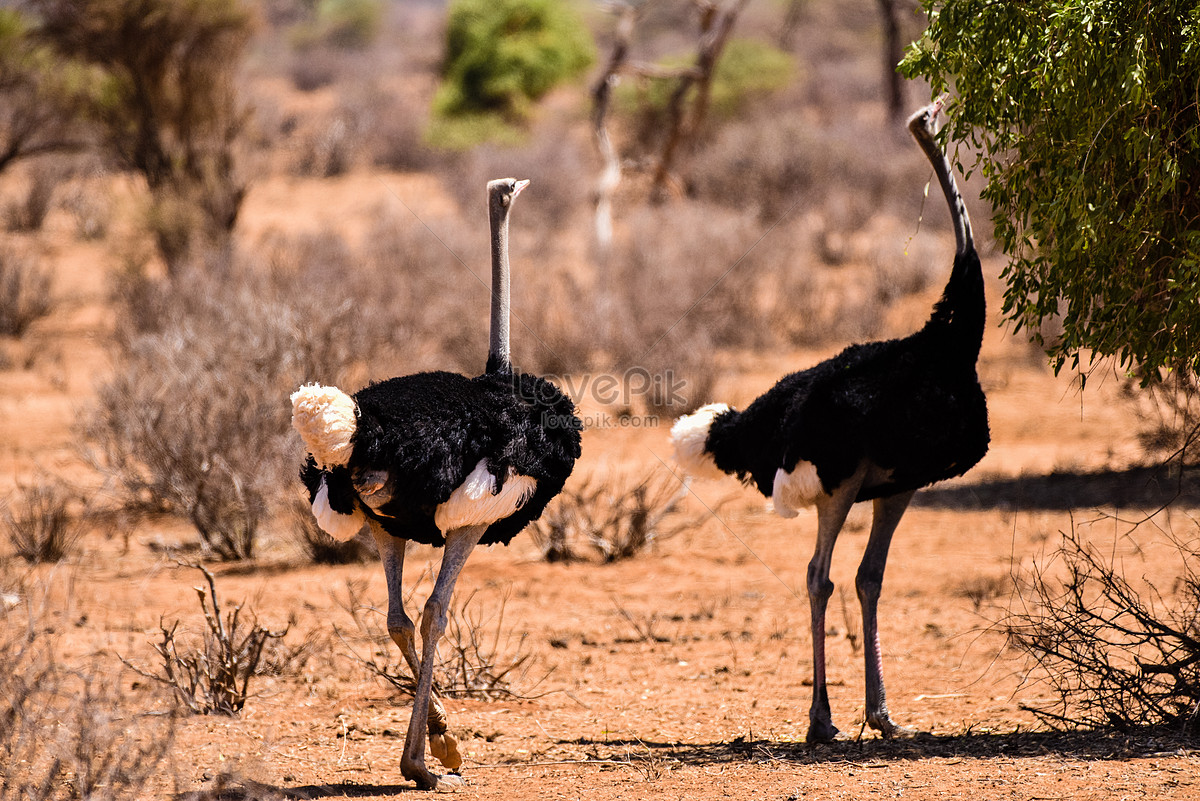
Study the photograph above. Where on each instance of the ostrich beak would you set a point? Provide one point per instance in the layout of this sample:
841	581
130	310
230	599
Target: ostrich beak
518	186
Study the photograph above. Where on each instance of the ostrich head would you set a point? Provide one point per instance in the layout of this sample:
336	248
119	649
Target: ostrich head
923	124
501	193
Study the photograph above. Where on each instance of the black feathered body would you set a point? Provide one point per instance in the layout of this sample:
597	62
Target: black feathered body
428	431
912	408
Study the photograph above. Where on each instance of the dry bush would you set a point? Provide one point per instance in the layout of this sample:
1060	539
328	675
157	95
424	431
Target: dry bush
195	419
478	657
1115	653
395	138
214	677
24	292
90	206
557	164
316	67
30	213
854	170
979	588
1168	404
618	518
69	735
329	145
318	547
39	523
433	277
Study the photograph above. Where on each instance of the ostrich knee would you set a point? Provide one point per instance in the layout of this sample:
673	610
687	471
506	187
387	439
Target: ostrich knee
820	588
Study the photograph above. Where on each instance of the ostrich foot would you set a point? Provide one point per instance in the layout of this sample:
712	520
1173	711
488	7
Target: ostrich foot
888	729
821	731
416	771
444	747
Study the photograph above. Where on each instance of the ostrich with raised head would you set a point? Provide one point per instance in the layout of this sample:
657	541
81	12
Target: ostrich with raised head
444	460
874	423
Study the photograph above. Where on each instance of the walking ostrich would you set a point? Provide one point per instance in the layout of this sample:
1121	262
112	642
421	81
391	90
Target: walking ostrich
444	460
876	422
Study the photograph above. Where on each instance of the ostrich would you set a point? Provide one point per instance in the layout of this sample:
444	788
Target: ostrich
444	460
876	422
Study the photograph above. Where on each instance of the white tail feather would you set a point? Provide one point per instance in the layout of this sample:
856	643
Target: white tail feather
475	502
326	419
689	435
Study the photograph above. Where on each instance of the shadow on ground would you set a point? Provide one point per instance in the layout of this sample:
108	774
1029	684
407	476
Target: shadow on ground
1146	488
646	754
1089	745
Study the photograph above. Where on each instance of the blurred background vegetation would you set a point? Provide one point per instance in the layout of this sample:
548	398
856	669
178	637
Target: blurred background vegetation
708	178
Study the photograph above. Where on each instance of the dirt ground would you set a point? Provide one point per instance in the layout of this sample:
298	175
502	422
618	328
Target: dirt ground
683	673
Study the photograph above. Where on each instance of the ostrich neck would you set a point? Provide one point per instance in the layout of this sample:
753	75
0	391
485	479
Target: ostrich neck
499	355
963	238
958	317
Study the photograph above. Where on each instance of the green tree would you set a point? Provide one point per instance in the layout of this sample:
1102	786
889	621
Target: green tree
1084	117
503	54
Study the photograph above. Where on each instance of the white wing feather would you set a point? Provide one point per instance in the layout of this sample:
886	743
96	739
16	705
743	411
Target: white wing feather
342	528
796	490
475	502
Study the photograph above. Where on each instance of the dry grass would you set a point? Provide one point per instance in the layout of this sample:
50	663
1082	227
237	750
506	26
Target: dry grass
24	291
618	518
28	214
318	547
479	656
69	734
39	522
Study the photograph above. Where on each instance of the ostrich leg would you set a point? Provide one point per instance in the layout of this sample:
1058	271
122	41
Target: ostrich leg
459	544
868	583
831	515
442	744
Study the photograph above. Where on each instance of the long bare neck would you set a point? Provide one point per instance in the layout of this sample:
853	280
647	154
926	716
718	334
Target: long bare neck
958	317
499	354
964	240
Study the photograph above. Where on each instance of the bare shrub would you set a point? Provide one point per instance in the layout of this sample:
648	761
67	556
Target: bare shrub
30	213
396	138
687	270
24	292
852	170
315	67
618	518
39	523
980	588
554	161
91	209
1113	654
195	419
214	677
1168	404
68	735
328	146
425	271
478	657
318	547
